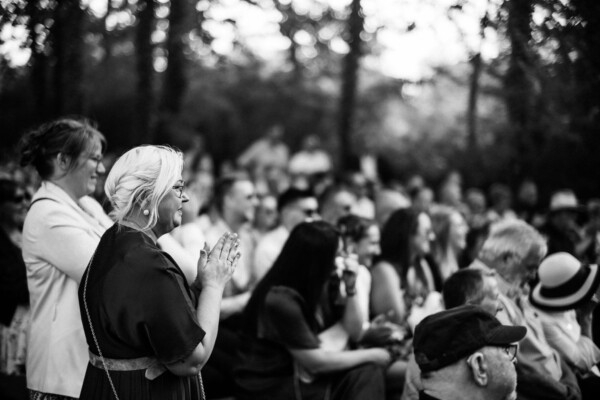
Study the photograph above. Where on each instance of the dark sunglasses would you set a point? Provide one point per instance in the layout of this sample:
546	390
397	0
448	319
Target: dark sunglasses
310	212
19	198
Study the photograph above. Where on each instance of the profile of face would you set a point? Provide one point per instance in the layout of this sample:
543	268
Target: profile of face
491	295
359	184
501	373
14	210
423	236
476	202
170	208
242	199
340	205
84	177
303	210
528	193
423	200
368	247
520	271
457	235
266	213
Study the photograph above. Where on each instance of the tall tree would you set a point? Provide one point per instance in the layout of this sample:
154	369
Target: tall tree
39	59
350	81
175	79
472	103
67	43
145	73
518	80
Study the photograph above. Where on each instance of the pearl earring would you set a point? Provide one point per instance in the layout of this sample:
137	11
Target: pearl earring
146	212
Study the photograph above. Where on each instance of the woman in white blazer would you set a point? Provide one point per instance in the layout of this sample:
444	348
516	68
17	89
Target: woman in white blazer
60	234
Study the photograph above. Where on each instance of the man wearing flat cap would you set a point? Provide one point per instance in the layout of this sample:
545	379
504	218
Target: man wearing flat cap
466	353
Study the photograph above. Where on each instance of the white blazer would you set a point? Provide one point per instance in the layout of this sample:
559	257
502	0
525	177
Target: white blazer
59	238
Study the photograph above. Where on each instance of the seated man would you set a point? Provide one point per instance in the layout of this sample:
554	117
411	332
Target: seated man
465	286
514	250
471	286
466	353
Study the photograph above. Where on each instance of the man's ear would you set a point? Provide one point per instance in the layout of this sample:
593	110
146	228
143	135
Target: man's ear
478	367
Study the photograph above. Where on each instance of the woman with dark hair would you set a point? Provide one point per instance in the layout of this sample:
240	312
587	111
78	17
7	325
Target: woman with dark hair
282	357
360	237
14	296
405	274
450	229
61	231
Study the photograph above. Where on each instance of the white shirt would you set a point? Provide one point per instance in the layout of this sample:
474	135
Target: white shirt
59	238
244	275
191	237
309	163
268	249
563	332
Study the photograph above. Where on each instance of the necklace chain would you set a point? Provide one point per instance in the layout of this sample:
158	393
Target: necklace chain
89	318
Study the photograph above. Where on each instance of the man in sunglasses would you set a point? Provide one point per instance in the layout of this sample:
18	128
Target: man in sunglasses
466	353
294	206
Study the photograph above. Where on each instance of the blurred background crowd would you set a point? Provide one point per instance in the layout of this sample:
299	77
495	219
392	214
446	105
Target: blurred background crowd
411	126
409	236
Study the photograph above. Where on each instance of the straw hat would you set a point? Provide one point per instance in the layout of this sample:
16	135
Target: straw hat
565	283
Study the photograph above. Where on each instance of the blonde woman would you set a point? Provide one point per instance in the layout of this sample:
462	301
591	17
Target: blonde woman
149	332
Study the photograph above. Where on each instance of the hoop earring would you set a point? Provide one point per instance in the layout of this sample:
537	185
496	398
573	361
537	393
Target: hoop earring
146	212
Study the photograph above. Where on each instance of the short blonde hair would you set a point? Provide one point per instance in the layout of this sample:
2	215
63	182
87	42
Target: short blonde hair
142	176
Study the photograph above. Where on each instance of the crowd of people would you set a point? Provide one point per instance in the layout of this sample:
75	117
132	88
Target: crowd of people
151	275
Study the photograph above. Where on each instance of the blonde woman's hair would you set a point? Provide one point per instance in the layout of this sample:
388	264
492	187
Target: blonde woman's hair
142	176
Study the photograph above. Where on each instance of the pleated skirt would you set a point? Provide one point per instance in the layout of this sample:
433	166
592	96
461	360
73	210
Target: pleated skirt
133	385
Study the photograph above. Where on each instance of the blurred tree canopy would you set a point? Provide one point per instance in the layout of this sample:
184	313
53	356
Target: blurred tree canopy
148	72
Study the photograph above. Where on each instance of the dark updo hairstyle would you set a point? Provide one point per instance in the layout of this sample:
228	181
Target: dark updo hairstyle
70	137
353	227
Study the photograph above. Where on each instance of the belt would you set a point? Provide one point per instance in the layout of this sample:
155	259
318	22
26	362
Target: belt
153	367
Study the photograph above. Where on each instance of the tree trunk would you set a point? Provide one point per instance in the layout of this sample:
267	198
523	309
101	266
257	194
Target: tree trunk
473	144
38	63
350	81
107	36
145	73
175	79
67	34
519	94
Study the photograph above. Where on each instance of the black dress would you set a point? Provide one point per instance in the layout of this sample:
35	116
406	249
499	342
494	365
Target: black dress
140	305
267	372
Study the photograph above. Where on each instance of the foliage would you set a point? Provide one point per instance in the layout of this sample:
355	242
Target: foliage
536	114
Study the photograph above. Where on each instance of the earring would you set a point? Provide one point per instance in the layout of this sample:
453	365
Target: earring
146	212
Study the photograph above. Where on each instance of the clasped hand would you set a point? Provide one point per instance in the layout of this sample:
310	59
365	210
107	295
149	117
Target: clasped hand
216	266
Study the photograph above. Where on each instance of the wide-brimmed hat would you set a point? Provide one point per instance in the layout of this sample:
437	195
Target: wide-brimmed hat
564	200
564	283
444	338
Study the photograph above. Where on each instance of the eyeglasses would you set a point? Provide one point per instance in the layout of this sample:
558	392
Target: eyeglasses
511	351
96	159
19	198
179	189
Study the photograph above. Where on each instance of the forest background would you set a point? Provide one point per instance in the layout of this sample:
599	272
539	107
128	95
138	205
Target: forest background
158	71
